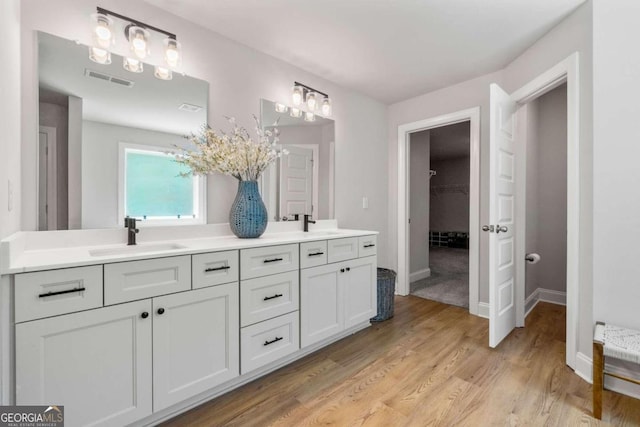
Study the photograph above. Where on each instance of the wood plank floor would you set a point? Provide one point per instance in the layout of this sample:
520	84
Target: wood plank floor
428	366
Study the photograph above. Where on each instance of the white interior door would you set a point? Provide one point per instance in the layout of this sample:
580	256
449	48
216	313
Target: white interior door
502	313
296	182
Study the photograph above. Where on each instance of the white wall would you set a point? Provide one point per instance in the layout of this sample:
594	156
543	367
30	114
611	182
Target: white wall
419	201
100	150
616	150
239	77
547	191
10	102
450	210
57	116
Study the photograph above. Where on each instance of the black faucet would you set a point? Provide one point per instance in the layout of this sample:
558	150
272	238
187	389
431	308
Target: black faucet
130	225
307	221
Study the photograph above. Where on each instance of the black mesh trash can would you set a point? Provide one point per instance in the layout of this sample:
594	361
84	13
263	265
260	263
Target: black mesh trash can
386	292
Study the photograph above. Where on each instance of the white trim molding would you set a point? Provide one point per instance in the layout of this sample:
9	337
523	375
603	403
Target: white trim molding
544	295
483	309
584	369
419	275
471	115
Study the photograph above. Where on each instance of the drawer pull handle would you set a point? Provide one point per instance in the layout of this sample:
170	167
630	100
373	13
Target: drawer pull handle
276	339
316	253
68	291
275	296
225	267
273	260
370	245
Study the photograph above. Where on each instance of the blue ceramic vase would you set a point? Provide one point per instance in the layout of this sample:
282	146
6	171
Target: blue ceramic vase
248	216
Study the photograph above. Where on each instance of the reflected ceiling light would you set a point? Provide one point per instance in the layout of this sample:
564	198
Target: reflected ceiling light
309	117
163	73
326	107
281	108
132	64
297	95
138	35
102	35
295	112
172	52
99	55
312	97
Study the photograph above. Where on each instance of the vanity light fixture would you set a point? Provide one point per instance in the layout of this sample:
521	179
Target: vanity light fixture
295	112
309	117
139	38
312	98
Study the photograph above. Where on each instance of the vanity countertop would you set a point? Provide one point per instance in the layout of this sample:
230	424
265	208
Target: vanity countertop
37	259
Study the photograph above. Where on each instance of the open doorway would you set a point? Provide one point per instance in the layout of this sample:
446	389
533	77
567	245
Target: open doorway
439	183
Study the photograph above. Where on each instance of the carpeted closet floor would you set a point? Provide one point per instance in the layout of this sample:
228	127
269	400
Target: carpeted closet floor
449	280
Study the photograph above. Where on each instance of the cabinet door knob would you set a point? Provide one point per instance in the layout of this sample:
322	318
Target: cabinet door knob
144	315
161	310
342	270
348	268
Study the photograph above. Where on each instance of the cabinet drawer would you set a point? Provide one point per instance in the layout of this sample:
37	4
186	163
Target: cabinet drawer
313	254
133	280
266	297
268	341
258	262
215	269
54	292
342	249
367	246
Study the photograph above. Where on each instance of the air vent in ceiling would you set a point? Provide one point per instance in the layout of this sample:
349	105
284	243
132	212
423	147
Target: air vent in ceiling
190	108
107	77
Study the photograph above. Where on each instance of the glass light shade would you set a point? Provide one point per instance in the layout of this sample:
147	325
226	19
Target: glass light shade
102	33
312	101
281	108
297	93
139	41
295	112
326	107
132	64
163	73
172	54
99	55
309	117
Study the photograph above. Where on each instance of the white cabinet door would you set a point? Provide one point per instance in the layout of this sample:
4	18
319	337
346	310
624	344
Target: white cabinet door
321	303
360	290
96	363
195	342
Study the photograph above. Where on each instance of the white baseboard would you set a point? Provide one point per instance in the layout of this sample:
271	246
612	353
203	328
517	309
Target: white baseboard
483	309
584	369
546	295
419	275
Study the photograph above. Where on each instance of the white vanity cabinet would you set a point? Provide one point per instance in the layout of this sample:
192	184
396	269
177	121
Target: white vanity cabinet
339	295
96	363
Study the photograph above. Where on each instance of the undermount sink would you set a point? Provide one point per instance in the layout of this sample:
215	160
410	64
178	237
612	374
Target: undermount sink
135	249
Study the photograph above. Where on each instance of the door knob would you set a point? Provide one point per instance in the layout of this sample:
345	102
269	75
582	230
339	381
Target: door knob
488	228
502	229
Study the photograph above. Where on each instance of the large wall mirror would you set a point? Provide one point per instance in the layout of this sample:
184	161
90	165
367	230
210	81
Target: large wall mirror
301	182
104	138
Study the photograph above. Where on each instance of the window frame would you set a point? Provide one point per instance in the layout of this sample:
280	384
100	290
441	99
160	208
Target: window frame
199	190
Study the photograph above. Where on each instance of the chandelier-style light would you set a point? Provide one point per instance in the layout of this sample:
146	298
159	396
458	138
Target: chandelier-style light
139	38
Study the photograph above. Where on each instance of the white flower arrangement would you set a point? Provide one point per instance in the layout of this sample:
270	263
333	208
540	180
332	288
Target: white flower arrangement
234	154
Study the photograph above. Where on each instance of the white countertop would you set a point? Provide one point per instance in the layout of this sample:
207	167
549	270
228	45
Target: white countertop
63	256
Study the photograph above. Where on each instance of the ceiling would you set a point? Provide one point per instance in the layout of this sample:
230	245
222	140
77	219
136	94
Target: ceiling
389	50
150	103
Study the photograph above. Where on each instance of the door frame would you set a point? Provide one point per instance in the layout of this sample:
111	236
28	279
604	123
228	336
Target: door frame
566	71
52	176
472	115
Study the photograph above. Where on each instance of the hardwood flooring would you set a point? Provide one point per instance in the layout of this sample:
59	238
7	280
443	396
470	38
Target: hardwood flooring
428	366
